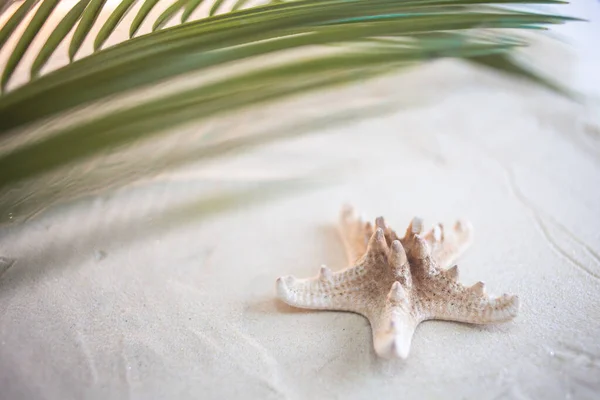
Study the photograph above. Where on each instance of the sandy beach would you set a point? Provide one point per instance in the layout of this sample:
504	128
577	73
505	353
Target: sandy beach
132	293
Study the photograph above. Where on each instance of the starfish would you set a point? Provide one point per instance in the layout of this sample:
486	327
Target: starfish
397	283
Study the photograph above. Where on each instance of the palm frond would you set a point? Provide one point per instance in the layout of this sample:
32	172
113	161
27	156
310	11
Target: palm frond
13	22
215	7
19	205
209	100
362	39
111	23
57	36
190	7
166	15
221	39
27	37
140	17
88	18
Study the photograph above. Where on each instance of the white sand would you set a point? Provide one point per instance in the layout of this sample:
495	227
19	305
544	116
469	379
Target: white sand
106	301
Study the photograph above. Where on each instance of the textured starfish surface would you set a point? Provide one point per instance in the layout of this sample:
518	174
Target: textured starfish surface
398	282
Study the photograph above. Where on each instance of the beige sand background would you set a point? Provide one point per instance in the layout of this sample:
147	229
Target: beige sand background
113	296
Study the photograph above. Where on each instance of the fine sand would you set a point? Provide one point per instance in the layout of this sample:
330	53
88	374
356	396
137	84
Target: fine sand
132	294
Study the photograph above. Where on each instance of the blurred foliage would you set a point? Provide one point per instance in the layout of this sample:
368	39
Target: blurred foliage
359	39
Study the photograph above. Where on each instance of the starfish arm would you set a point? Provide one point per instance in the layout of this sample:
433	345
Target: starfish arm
328	291
440	296
446	246
354	289
355	233
445	299
393	324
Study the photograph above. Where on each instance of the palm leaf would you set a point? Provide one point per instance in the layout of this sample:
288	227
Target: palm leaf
14	21
58	34
371	38
62	191
215	7
141	16
190	7
507	64
27	37
209	100
111	23
238	4
166	16
185	48
88	18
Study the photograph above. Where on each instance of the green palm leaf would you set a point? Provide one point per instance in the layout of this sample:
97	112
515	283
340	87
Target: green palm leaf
191	6
58	34
215	8
239	4
88	18
168	14
141	16
27	37
111	23
185	48
371	38
14	21
209	100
